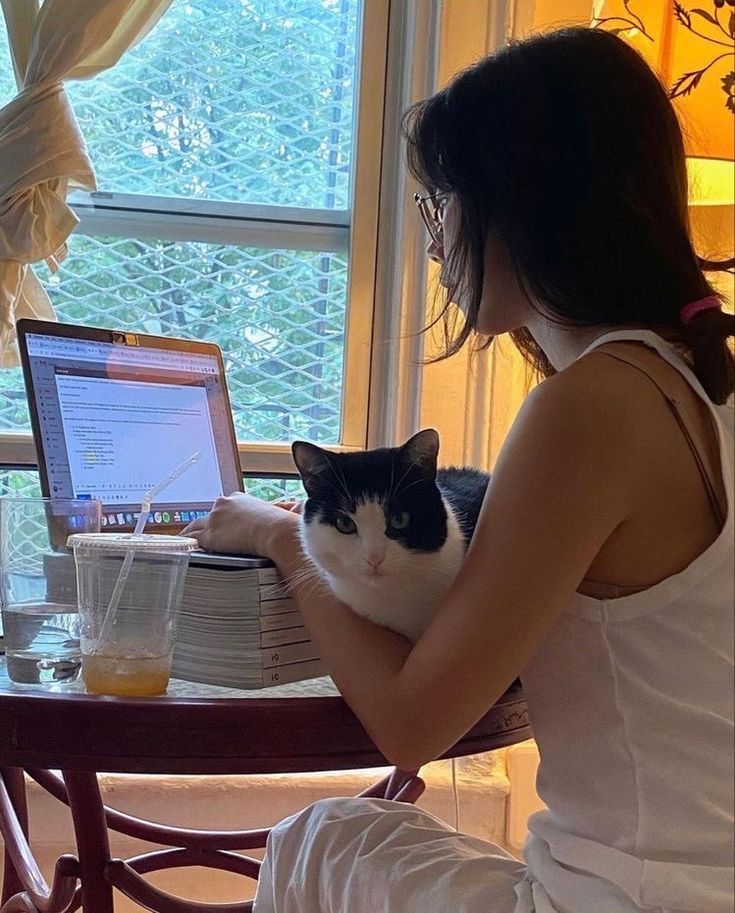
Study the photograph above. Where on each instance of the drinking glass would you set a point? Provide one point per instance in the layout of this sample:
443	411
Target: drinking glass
130	590
38	594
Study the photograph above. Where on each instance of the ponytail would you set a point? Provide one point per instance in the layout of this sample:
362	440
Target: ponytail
706	336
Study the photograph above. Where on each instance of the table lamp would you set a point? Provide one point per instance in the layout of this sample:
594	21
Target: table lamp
692	48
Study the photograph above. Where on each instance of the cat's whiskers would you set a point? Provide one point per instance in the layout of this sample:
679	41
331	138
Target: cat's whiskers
302	577
340	476
411	466
310	573
405	488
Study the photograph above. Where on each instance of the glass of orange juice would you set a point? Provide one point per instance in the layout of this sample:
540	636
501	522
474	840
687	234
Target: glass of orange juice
129	609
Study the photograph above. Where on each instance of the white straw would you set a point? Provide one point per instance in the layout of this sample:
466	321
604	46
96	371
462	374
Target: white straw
145	509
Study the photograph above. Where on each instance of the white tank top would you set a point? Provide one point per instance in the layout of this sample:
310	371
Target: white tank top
631	704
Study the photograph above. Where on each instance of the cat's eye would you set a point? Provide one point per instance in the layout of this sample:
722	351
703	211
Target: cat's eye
345	524
399	520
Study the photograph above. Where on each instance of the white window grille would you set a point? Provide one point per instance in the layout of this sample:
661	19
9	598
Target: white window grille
231	208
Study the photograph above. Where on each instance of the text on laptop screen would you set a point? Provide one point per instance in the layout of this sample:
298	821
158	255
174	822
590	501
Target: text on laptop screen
115	420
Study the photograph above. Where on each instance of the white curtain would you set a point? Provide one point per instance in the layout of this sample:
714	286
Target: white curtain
42	151
474	400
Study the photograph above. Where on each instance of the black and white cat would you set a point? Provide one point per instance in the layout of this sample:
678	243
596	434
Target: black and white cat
386	530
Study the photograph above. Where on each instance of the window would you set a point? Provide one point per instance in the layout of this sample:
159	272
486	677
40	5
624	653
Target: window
225	147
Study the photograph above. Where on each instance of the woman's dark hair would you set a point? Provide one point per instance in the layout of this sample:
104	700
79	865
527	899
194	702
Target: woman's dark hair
567	147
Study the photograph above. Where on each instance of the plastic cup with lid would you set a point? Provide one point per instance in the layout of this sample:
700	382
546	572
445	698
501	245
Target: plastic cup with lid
128	651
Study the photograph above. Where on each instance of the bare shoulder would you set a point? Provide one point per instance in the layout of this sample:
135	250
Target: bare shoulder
600	419
603	393
625	428
595	395
597	378
573	433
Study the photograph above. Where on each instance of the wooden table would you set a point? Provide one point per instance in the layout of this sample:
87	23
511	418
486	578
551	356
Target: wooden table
193	729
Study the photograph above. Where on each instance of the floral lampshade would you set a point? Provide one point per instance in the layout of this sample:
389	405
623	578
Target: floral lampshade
692	48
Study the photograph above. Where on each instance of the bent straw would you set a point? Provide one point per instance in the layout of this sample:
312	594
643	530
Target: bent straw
145	509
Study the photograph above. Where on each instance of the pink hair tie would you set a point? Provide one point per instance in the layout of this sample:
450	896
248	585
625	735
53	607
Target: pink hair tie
694	307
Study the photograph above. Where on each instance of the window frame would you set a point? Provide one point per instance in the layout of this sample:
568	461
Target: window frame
354	230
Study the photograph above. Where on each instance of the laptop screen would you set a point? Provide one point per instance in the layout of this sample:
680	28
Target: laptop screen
113	418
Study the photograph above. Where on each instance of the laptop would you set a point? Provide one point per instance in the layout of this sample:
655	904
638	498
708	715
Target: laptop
114	412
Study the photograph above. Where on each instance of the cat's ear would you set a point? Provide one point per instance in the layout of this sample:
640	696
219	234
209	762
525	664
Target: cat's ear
423	451
311	461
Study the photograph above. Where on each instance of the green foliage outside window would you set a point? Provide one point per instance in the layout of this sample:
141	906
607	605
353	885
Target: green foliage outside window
246	101
24	483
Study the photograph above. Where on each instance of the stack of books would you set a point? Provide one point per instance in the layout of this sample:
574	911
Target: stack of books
238	627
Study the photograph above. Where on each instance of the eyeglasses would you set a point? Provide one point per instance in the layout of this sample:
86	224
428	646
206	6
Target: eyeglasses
432	209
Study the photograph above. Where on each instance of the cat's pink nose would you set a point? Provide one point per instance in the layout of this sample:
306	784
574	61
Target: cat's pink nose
375	561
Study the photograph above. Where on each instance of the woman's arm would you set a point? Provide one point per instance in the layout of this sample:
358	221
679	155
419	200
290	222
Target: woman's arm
359	655
562	484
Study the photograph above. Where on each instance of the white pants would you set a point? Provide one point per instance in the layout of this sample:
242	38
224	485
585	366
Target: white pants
376	856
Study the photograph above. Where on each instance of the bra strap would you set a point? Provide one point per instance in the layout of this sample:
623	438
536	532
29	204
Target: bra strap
694	446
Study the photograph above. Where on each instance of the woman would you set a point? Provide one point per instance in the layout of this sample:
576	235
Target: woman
557	204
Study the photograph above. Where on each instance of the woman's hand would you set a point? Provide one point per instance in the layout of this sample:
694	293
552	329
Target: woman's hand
243	524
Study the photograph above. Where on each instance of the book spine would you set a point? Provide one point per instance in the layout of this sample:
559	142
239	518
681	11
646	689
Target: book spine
277	622
294	672
283	636
243	597
269	591
289	653
268	575
276	606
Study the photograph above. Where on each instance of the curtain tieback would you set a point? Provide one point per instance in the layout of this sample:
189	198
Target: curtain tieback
41	147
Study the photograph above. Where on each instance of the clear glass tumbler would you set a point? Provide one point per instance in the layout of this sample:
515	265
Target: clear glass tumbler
38	593
130	592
